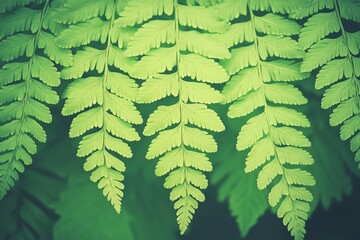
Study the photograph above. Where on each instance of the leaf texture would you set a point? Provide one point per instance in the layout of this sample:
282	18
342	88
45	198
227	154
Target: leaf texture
337	59
177	58
27	76
262	65
101	100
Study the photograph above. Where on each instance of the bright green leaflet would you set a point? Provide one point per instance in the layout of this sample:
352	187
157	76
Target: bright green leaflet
102	94
171	57
29	54
260	86
338	63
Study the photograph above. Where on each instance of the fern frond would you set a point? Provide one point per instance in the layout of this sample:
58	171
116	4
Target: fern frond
101	100
29	54
262	67
334	51
176	59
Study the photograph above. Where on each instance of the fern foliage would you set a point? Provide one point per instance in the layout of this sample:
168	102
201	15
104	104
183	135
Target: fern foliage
333	50
182	53
30	58
263	65
176	44
101	94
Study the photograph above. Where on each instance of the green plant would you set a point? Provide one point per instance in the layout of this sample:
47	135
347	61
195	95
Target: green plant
102	99
241	69
28	53
260	73
334	49
183	47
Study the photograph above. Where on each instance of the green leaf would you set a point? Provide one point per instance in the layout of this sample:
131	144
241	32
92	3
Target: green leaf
164	57
339	92
19	20
282	70
349	10
8	5
276	25
53	51
242	83
27	76
45	70
247	136
93	30
278	46
137	12
246	104
261	152
336	58
16	46
200	93
317	27
199	115
85	60
160	31
322	52
260	90
164	142
332	72
176	49
200	17
284	93
204	44
162	118
101	100
240	58
79	98
79	11
158	87
201	69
